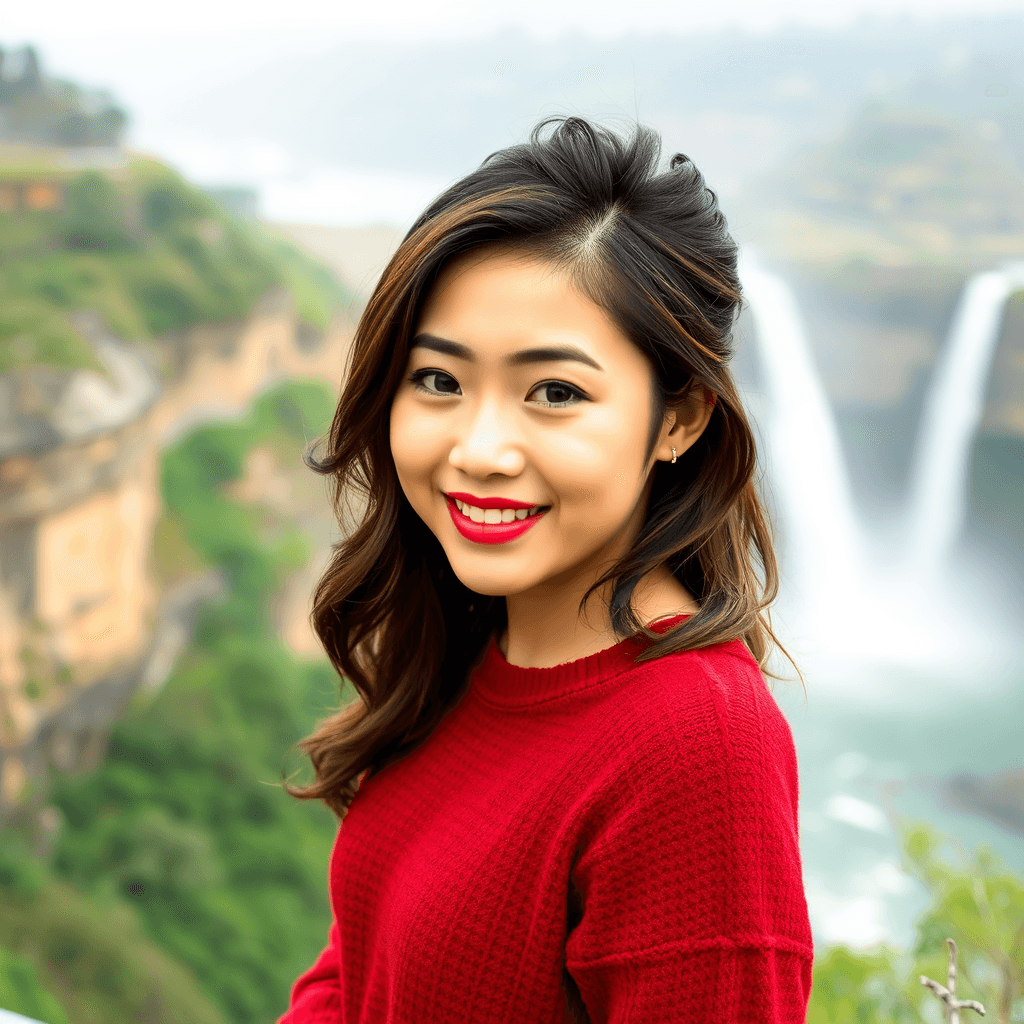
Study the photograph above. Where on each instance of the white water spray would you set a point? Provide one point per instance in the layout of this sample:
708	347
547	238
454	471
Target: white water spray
825	551
951	416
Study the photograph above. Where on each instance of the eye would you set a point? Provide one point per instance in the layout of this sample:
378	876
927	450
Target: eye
443	384
559	394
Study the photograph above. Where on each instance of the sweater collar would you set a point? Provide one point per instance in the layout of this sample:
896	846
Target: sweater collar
513	686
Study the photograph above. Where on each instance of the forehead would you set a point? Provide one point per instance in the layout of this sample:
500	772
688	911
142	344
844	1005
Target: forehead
502	297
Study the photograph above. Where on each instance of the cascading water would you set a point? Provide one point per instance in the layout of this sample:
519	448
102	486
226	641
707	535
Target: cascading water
914	613
952	413
825	551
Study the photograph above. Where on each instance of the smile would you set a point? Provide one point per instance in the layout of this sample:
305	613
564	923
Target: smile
494	515
492	525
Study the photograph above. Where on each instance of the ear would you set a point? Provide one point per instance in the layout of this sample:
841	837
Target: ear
685	421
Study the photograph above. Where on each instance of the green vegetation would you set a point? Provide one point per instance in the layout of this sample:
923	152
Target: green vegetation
150	253
185	885
22	992
979	905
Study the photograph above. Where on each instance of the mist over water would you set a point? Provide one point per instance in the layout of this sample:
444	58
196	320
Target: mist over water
905	684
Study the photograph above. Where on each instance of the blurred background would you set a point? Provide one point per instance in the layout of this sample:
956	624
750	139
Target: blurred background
195	204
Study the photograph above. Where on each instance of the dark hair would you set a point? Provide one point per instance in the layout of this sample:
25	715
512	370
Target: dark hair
654	251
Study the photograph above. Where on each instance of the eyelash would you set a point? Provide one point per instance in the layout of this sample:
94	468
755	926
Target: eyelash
418	376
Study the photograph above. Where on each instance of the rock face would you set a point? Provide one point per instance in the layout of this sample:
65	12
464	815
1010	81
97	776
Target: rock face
999	797
82	621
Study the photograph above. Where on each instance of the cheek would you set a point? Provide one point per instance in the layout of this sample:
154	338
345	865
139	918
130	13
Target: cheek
414	447
599	464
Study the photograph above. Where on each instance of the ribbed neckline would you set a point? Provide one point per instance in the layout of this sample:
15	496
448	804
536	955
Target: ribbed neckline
498	682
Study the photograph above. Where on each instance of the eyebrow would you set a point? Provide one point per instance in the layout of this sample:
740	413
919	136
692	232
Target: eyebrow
524	357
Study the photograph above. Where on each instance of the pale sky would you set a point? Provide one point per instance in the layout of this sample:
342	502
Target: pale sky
148	55
415	20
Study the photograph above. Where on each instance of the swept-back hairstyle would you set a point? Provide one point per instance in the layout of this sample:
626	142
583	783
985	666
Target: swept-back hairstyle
653	250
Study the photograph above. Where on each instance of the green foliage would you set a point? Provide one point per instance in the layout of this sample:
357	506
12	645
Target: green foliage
66	957
32	330
37	108
980	906
859	988
184	826
93	215
20	876
22	992
150	254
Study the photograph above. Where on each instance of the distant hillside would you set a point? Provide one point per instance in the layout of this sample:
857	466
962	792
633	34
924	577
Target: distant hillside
899	187
735	101
142	247
181	885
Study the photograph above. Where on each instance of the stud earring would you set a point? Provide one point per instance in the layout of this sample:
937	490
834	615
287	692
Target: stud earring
673	455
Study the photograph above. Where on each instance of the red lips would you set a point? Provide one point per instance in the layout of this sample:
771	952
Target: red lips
471	499
490	533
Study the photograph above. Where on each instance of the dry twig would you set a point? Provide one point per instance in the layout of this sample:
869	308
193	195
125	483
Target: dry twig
948	996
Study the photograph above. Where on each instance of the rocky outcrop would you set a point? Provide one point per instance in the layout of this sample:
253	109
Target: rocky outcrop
999	797
83	623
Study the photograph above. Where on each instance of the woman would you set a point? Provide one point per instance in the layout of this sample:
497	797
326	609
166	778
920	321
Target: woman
577	798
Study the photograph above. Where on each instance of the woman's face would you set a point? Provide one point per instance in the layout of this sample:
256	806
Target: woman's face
521	393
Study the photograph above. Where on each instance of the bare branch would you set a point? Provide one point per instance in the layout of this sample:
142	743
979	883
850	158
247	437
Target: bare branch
948	996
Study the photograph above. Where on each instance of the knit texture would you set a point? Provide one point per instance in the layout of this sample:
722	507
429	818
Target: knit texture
599	841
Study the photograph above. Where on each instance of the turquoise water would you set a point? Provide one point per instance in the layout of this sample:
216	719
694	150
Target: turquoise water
878	740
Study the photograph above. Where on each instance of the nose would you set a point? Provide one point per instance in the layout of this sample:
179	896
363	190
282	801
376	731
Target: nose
488	443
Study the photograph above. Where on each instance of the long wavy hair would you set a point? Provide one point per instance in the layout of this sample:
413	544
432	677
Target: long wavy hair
653	250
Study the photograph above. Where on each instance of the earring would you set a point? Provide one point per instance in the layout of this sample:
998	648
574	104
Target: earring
673	455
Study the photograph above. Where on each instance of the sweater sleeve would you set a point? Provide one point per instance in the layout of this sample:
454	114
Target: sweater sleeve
316	995
691	887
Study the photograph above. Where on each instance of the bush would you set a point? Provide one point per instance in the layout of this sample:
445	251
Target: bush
94	215
22	992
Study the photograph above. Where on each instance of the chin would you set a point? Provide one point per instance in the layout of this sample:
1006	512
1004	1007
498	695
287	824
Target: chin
489	584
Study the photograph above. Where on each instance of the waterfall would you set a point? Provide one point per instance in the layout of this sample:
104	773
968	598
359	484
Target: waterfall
824	549
952	413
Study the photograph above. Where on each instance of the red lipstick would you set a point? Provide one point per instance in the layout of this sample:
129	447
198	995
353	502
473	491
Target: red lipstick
471	499
490	533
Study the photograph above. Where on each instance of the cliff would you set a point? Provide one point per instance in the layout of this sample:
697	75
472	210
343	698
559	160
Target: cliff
85	616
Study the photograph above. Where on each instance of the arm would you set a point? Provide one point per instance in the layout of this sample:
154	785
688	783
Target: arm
316	994
692	888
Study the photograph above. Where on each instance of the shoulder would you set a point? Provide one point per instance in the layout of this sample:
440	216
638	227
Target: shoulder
709	710
724	675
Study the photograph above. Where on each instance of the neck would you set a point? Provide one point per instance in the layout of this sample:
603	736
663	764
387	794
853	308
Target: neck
546	627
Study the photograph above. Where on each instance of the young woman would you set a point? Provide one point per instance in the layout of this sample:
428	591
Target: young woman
567	793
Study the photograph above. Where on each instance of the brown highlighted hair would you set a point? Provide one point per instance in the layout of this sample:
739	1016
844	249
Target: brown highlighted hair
654	251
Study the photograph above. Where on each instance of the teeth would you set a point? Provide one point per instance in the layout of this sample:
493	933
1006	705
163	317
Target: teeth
494	515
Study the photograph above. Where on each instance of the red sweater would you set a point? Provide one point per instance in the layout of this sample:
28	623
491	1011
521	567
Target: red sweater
599	838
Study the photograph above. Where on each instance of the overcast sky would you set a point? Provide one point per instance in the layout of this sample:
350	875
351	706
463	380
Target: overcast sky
416	20
150	55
